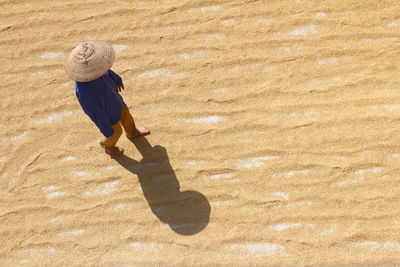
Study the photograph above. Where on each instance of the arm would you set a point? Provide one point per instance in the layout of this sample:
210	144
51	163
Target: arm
96	114
117	79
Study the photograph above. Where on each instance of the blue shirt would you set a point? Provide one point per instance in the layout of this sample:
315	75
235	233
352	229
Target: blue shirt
101	101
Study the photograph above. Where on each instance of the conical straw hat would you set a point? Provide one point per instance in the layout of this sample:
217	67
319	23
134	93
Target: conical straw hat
89	61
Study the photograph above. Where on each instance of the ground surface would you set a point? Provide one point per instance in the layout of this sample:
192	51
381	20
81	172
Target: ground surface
275	135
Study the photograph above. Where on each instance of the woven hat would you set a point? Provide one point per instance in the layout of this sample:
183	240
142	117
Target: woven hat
89	61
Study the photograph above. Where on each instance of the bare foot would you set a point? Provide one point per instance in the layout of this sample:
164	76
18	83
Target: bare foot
140	131
114	151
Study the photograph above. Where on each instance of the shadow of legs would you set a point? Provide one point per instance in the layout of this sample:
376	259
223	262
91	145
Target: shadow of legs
188	212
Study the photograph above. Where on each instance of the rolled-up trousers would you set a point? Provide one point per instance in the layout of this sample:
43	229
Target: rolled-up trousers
127	122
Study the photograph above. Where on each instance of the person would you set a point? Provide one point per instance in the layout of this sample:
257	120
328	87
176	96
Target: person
98	91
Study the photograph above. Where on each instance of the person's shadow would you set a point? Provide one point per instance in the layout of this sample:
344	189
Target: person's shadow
188	212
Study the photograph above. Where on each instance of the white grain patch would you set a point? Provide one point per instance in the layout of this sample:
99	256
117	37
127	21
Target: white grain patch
103	189
220	90
396	155
49	188
254	162
369	171
261	20
55	219
81	173
162	72
66	84
146	246
119	48
206	9
36	254
55	194
123	206
366	41
172	28
381	246
311	114
20	170
320	15
391	107
270	68
377	41
19	137
328	61
329	230
228	21
12	181
52	250
284	50
310	225
194	162
222	175
42	72
2	159
375	108
112	167
257	250
281	194
213	37
185	55
53	117
284	226
304	31
4	176
351	181
291	173
198	54
206	120
52	55
219	203
193	55
236	68
299	204
394	23
73	232
384	177
68	158
236	180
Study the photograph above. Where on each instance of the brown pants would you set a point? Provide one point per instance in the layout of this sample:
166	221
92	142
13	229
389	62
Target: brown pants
129	126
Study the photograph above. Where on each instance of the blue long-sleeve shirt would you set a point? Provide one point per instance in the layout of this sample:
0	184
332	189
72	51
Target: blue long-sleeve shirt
101	101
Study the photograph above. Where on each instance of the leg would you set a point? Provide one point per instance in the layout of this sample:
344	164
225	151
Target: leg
129	125
109	143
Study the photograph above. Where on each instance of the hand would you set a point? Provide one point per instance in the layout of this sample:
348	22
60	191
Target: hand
120	87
